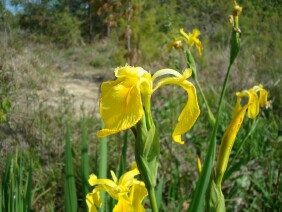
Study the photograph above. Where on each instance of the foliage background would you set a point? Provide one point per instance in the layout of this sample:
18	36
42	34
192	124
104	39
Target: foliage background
44	41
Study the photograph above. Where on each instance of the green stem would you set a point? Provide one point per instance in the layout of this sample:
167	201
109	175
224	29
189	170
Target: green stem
199	193
222	95
210	114
103	166
148	113
153	200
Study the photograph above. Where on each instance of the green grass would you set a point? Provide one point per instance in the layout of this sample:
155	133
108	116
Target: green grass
16	186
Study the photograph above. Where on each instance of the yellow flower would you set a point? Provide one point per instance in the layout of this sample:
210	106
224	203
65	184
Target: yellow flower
128	191
190	39
121	105
254	101
253	104
93	201
176	44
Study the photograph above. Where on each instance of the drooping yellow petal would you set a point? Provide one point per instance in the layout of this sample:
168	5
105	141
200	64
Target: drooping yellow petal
137	194
90	203
198	45
124	204
253	103
120	105
189	114
228	141
263	94
191	110
93	201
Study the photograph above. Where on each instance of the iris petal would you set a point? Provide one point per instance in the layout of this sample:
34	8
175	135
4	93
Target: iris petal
228	140
198	45
124	204
106	182
263	97
191	110
129	72
103	185
120	105
111	190
182	32
93	200
128	176
92	179
253	103
189	114
137	194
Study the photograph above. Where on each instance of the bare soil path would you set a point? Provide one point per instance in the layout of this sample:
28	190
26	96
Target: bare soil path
82	90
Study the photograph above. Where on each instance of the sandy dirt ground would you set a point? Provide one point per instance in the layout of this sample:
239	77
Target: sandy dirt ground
84	94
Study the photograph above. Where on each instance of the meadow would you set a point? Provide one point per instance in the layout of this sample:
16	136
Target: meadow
52	66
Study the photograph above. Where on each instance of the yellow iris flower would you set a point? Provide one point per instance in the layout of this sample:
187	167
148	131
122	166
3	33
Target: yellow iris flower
190	39
128	191
121	104
176	44
254	101
253	104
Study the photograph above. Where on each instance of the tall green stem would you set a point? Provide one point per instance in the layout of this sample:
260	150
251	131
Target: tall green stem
148	113
103	166
153	201
199	193
210	114
147	151
221	98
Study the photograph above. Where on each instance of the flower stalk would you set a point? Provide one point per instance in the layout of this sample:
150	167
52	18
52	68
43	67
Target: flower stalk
153	200
103	167
254	102
206	177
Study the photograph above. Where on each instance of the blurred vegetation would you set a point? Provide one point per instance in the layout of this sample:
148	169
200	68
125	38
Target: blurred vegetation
43	40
